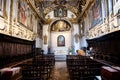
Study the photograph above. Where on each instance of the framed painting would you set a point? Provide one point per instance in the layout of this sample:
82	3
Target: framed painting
14	11
96	13
22	12
61	40
29	24
30	19
1	7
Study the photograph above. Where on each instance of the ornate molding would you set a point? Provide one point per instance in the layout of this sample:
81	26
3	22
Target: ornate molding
11	16
23	33
85	8
48	21
72	20
36	10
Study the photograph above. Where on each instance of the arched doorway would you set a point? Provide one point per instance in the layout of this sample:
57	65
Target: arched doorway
60	37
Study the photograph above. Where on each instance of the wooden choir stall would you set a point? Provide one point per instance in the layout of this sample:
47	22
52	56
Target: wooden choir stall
106	50
14	51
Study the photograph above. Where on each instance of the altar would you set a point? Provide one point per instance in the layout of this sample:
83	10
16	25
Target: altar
60	52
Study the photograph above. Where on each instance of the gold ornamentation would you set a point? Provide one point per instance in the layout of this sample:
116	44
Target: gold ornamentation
11	10
2	27
4	12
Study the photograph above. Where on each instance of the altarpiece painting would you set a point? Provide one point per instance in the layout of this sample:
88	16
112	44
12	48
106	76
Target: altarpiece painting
61	41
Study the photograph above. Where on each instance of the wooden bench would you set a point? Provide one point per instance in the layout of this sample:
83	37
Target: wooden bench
39	68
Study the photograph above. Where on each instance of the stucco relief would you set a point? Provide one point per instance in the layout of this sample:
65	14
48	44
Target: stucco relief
22	33
103	29
114	24
15	31
4	27
90	34
98	31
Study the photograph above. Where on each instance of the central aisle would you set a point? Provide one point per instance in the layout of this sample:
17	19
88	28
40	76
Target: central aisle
60	71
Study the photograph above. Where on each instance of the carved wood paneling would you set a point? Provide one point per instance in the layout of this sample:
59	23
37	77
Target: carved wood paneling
14	49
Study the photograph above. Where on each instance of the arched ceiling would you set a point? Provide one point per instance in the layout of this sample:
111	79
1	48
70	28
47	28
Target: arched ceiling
49	5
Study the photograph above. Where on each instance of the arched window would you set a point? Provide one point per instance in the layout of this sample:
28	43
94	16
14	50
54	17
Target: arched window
61	40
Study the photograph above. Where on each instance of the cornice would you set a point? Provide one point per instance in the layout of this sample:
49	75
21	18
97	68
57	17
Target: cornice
86	7
35	9
72	20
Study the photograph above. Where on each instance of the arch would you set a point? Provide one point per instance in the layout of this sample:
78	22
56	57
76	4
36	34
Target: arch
60	26
60	20
53	40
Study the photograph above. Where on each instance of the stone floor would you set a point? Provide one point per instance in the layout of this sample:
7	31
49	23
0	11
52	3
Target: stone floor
60	71
60	57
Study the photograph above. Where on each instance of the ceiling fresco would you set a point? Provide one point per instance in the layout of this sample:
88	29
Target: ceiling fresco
49	5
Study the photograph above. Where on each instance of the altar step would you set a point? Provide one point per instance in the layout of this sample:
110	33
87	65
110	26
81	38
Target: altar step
60	57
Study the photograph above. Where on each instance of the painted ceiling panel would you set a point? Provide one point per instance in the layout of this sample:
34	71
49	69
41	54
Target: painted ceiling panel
72	5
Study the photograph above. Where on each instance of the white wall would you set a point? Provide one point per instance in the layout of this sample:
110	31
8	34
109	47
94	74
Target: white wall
69	40
60	50
76	31
39	43
83	42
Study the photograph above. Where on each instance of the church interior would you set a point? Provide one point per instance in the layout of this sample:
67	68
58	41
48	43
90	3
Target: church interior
59	39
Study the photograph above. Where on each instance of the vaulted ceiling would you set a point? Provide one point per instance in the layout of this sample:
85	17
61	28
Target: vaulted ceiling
47	6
